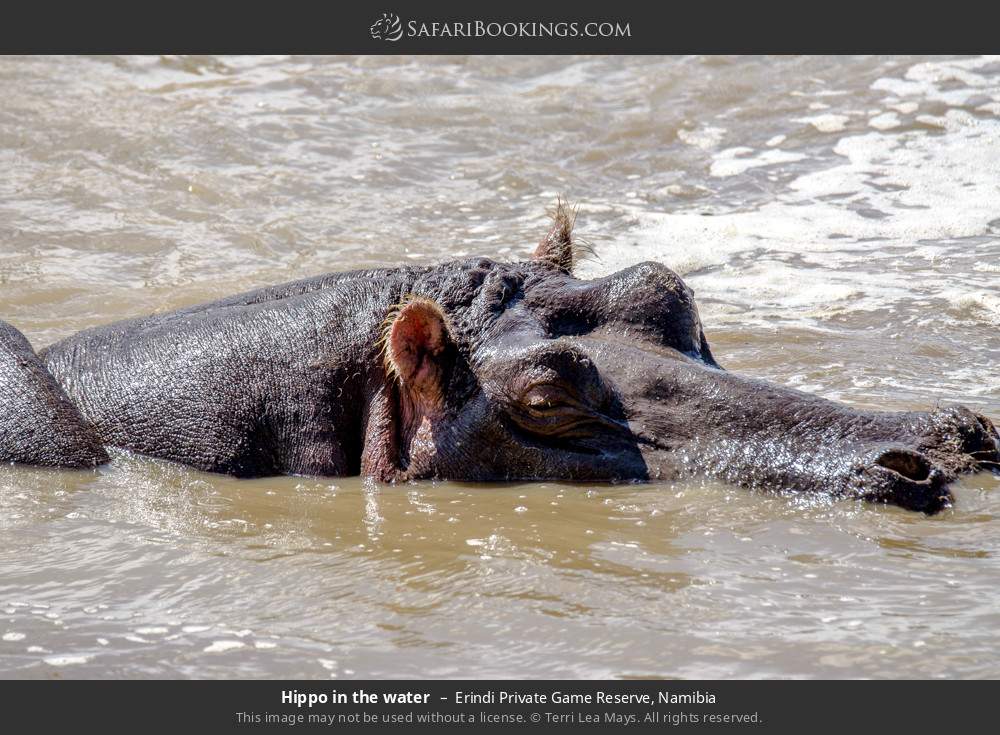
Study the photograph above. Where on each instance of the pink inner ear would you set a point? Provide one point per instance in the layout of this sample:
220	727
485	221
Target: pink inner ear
416	339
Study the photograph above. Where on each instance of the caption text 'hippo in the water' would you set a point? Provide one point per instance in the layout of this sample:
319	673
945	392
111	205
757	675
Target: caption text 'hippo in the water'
469	370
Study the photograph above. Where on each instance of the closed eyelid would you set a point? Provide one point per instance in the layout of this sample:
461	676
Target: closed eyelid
559	414
542	396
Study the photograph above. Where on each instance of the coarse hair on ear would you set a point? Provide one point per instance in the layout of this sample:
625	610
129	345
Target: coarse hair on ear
416	347
559	248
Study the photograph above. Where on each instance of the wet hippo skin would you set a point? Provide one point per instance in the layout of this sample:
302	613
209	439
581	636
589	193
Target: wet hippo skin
38	423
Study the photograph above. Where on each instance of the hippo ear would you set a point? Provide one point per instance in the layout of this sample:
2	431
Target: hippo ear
557	247
418	348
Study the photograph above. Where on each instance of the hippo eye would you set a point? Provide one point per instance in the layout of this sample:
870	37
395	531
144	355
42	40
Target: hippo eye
561	396
545	396
549	409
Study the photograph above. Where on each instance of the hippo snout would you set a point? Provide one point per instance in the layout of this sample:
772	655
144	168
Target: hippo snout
954	440
961	440
907	478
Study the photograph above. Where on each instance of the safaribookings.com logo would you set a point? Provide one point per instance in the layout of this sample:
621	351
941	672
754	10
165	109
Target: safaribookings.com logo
390	28
387	28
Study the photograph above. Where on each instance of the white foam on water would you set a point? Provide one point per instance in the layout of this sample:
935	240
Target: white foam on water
196	628
223	646
885	121
953	82
705	137
864	230
983	306
66	660
826	123
734	161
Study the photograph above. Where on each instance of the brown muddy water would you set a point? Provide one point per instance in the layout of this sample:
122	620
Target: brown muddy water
839	220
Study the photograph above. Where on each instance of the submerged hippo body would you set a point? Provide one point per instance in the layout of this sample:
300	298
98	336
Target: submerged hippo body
477	370
38	423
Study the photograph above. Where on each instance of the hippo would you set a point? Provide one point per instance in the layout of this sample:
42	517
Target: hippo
39	425
478	370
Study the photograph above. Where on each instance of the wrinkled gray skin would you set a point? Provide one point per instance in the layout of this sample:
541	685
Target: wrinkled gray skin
38	423
490	371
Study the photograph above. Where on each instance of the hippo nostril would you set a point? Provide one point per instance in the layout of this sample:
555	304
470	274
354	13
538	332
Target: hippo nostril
908	479
910	465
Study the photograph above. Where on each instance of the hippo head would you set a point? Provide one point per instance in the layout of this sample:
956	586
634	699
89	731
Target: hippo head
539	375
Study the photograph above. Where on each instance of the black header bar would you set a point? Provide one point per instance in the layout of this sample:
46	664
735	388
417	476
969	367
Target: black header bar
438	27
